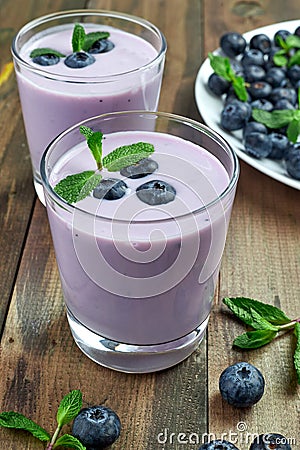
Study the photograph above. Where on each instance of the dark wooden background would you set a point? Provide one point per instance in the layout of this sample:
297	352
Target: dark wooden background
39	362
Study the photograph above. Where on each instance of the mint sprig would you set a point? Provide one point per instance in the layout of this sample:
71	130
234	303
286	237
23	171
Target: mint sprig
68	409
76	187
281	118
266	321
221	66
83	41
287	55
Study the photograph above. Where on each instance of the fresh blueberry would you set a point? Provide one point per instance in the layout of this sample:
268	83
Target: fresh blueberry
293	73
142	168
218	85
241	384
260	89
78	60
261	42
292	160
280	144
297	31
270	441
232	97
283	103
156	192
235	115
218	445
287	93
283	34
254	73
253	56
96	427
258	144
252	127
101	46
233	44
262	103
275	76
110	189
48	59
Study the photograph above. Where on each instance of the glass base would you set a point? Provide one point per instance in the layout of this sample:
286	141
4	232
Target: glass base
39	189
134	358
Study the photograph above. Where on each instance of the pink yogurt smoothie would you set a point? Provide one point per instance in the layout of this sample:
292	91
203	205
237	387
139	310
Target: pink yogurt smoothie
56	97
141	274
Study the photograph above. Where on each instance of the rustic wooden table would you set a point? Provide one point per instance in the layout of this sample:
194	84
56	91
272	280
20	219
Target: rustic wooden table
39	361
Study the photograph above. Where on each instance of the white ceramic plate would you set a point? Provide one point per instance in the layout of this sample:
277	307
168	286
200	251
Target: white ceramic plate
210	107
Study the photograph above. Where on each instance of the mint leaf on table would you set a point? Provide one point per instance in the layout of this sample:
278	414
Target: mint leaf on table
272	320
297	351
11	419
127	155
78	37
45	51
221	66
91	38
76	187
69	407
69	441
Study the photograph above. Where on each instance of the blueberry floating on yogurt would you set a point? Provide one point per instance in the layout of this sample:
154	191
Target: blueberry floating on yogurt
110	189
45	56
142	168
156	192
96	427
101	46
78	60
241	384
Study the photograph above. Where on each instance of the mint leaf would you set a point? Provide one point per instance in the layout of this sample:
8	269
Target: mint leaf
76	187
221	66
293	130
275	119
280	59
271	313
69	441
297	351
254	339
69	407
127	155
294	59
239	88
93	37
45	51
94	141
292	41
78	37
16	420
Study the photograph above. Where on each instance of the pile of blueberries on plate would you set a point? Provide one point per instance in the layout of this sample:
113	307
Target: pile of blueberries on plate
269	87
241	385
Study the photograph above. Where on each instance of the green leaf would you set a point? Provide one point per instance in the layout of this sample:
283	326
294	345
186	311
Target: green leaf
76	187
254	339
244	311
280	60
294	59
297	352
86	131
240	89
271	313
16	420
293	130
94	141
45	51
221	66
69	441
69	407
127	155
292	41
93	37
78	37
275	119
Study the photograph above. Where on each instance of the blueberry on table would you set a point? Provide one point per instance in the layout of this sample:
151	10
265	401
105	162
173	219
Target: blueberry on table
110	189
218	85
96	427
235	115
218	444
101	46
241	384
79	60
142	168
270	441
261	42
258	144
233	44
156	192
48	59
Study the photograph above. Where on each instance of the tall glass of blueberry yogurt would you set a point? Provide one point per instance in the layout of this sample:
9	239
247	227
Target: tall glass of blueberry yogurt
139	205
75	64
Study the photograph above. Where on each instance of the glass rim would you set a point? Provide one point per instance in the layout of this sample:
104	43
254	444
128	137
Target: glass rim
170	116
86	12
